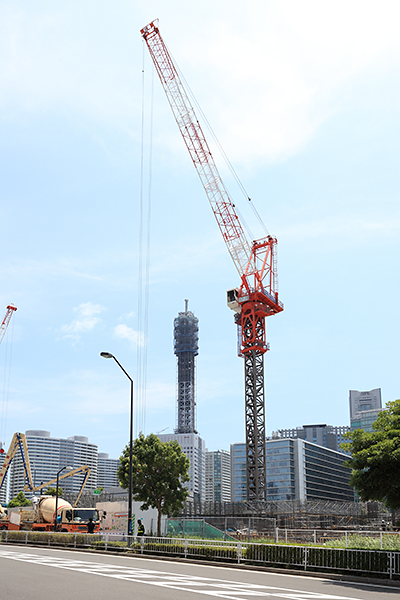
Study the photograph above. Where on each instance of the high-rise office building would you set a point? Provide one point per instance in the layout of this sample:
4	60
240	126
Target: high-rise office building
47	456
362	401
195	449
218	476
364	408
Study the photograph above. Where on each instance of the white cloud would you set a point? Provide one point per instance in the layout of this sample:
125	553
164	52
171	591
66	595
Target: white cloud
87	318
354	230
276	70
124	332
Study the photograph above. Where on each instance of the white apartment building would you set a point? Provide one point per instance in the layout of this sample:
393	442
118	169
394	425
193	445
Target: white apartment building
195	449
47	456
218	476
107	471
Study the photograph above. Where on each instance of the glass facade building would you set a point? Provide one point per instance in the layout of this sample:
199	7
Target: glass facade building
365	419
301	470
218	476
281	466
296	470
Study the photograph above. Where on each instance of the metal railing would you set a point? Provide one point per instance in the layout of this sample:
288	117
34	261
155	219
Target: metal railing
381	563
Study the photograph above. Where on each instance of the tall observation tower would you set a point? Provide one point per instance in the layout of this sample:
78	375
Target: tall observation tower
186	348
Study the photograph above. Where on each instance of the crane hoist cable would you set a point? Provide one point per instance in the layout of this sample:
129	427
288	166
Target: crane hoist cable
7	368
144	240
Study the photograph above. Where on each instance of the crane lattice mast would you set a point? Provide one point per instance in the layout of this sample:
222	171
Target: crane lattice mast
3	327
257	296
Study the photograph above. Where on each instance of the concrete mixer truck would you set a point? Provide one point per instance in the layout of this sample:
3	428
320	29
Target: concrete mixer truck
41	518
69	519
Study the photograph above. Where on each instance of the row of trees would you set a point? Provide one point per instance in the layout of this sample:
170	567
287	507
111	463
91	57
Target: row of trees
375	458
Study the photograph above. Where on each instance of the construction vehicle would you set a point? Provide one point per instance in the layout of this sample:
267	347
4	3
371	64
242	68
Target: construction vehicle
69	518
257	295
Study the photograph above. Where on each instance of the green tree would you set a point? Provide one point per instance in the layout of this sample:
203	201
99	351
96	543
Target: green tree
19	500
159	471
51	491
375	458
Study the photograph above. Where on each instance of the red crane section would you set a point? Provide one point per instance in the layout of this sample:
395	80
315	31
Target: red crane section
3	327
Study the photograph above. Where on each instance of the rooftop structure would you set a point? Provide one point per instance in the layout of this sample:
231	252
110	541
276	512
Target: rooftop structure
363	401
321	434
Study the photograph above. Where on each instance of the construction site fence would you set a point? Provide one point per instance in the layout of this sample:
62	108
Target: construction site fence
289	514
377	563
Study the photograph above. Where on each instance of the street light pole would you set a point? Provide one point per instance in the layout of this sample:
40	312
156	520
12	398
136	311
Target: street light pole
109	355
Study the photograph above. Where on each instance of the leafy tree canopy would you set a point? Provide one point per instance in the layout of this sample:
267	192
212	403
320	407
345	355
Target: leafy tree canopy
375	458
159	471
51	491
19	500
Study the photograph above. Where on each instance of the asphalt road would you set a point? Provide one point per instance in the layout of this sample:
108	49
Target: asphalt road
44	574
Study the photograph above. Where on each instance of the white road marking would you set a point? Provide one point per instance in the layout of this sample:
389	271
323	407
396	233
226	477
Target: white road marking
217	588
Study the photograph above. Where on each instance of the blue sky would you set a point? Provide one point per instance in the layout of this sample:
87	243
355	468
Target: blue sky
305	101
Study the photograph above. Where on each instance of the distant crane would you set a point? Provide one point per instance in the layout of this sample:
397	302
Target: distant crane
257	296
3	327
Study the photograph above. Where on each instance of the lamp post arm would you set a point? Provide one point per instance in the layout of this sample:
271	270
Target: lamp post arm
122	368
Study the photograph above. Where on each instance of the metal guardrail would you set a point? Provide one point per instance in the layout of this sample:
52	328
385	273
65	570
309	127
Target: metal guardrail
381	563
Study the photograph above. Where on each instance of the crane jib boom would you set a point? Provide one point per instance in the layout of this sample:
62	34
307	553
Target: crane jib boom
3	327
257	296
198	148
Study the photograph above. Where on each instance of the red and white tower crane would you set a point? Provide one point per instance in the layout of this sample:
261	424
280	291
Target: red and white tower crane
257	295
3	327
